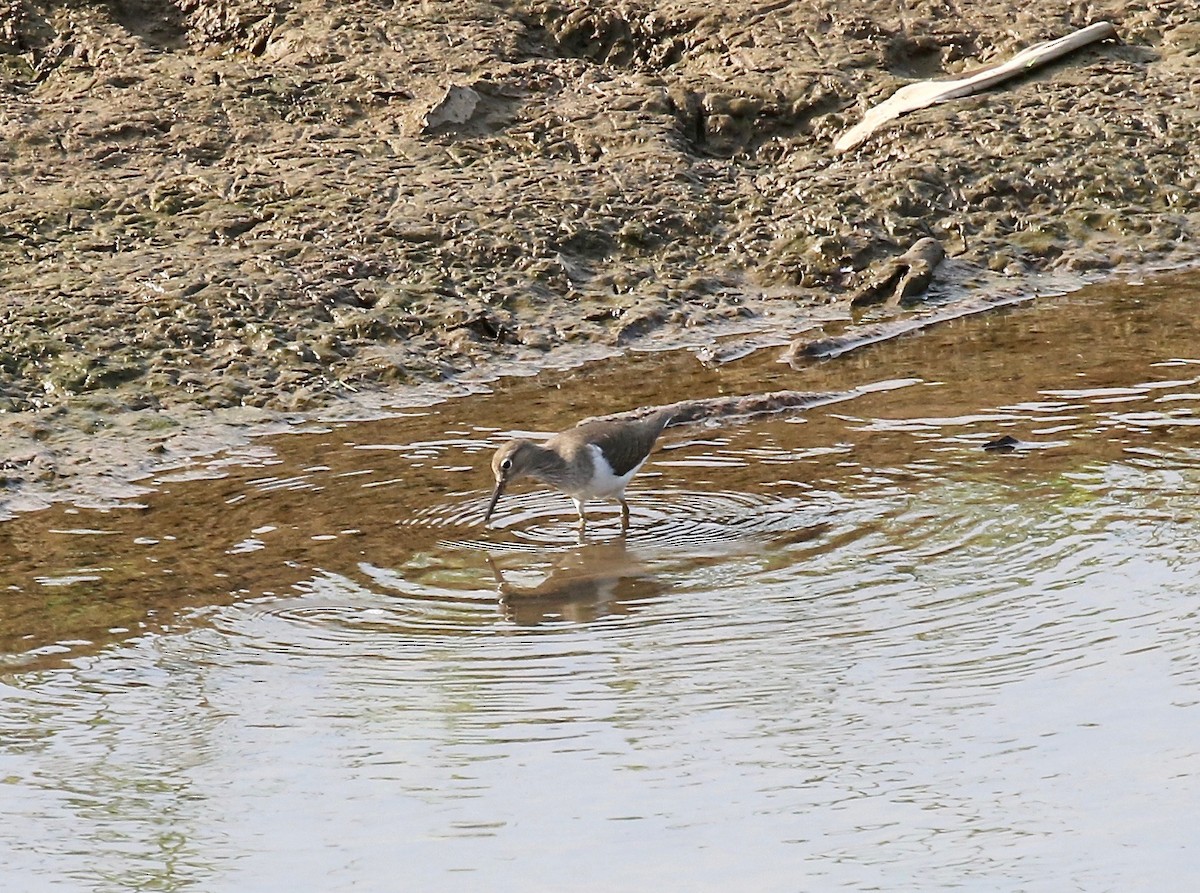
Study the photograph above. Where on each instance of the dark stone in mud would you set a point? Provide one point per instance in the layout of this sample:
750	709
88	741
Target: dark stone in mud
901	278
1005	444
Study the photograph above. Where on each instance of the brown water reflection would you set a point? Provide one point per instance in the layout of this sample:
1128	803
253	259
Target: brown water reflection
841	649
1104	372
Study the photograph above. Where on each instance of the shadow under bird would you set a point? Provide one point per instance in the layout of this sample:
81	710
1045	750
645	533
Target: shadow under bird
593	460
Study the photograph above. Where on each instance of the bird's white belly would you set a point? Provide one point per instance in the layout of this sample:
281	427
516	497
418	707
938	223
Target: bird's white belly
604	483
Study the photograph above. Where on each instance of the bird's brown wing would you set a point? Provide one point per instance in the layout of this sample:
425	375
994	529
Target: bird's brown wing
625	444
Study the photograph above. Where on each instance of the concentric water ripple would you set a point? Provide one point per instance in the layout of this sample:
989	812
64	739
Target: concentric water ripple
665	516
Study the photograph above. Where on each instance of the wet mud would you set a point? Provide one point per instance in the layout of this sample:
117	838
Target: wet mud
274	210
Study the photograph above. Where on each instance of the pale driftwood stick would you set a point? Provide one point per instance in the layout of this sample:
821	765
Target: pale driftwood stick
926	93
801	350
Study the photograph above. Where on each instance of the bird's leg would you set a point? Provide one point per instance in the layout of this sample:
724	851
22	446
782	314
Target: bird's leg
624	516
582	516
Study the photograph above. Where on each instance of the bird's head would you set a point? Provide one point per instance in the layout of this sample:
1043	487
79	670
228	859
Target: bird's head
511	461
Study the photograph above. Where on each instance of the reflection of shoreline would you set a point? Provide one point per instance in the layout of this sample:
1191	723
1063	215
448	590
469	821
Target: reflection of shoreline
595	580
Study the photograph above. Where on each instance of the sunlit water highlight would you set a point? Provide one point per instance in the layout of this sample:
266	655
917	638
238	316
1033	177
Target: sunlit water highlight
843	650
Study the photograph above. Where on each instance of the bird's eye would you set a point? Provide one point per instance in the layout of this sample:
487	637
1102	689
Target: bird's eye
506	465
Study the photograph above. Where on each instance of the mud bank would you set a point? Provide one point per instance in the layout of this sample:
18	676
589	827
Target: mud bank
274	208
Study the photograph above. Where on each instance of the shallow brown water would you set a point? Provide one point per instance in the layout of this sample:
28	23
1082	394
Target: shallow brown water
842	649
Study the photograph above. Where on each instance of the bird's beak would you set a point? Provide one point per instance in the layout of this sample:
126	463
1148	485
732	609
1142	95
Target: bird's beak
500	482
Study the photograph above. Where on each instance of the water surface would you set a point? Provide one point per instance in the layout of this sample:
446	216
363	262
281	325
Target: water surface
846	648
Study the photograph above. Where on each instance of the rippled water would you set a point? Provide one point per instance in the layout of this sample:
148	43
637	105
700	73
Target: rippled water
842	649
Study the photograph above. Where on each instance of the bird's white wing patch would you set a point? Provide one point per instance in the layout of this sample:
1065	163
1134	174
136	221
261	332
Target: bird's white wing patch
604	483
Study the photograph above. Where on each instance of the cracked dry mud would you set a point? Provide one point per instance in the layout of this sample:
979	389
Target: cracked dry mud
286	206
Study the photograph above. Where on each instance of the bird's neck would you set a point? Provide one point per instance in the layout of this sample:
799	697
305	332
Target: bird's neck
549	467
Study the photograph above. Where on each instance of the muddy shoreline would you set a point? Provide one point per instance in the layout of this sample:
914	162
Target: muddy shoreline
223	219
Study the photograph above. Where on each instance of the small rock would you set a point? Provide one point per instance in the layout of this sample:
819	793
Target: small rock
456	106
1005	444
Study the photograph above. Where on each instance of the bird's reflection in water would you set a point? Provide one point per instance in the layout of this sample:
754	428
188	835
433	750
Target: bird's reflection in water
593	581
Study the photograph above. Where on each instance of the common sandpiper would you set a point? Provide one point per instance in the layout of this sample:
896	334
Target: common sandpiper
593	460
